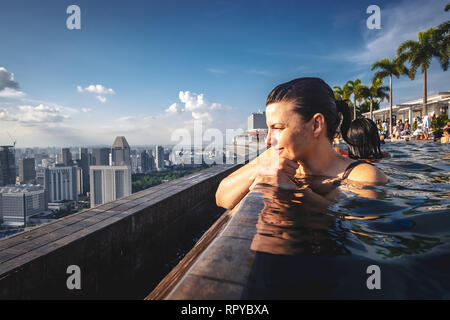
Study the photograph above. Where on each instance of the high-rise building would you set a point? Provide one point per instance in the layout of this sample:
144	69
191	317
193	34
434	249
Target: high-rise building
66	157
17	203
135	162
27	170
80	176
109	183
100	156
84	164
145	162
120	152
257	120
61	183
151	162
7	166
159	153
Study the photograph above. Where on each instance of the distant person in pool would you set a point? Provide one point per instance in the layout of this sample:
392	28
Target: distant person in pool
363	141
446	136
406	129
302	118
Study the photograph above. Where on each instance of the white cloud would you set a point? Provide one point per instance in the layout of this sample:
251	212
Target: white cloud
4	114
11	93
101	99
86	110
198	103
193	106
8	87
40	114
99	89
192	101
30	115
206	116
173	109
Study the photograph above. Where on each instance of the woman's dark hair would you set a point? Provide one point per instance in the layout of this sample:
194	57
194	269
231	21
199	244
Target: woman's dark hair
363	140
311	96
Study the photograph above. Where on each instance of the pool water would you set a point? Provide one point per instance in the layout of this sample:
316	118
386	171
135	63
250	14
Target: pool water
310	246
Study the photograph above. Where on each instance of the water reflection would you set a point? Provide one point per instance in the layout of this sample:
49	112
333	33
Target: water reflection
317	241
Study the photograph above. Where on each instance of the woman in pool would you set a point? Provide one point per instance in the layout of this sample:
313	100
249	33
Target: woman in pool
363	141
446	136
302	118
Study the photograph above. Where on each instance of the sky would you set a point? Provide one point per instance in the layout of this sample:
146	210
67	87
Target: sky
144	69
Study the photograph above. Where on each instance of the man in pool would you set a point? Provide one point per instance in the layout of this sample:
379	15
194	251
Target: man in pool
302	118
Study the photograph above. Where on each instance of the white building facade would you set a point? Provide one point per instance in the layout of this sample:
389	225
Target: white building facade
19	202
109	183
61	183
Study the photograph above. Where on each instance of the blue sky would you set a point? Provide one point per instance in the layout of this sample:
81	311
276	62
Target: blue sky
145	68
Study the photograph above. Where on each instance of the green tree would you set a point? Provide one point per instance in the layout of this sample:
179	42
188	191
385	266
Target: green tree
350	88
361	93
338	93
388	68
431	43
375	95
438	123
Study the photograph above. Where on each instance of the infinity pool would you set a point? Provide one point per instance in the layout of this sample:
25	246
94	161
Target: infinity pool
310	247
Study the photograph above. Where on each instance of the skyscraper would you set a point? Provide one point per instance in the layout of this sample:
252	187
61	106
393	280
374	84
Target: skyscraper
100	156
151	162
120	152
66	157
145	163
109	183
257	121
61	183
7	166
27	170
159	152
84	165
80	176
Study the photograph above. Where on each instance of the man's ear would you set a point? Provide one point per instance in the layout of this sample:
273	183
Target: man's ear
318	124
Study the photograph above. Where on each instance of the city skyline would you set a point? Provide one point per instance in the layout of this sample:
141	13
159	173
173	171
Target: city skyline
142	70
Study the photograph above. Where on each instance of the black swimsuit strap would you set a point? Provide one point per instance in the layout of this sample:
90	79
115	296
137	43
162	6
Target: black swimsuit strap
350	167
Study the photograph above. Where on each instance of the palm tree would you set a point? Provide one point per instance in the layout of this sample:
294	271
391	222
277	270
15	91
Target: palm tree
350	88
432	43
360	93
441	40
338	93
376	94
388	68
